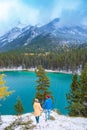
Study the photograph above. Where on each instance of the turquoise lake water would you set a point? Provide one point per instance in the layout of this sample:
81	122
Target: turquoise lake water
24	83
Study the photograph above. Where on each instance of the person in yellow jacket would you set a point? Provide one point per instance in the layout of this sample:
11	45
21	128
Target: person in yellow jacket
37	109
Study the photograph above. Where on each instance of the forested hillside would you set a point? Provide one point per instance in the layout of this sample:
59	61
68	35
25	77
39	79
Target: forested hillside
64	59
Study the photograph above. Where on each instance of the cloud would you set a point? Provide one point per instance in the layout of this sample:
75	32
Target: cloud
61	5
67	11
84	21
14	11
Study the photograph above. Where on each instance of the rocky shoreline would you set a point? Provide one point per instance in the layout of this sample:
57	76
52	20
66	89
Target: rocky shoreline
33	69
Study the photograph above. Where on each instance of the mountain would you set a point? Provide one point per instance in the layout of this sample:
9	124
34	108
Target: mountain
49	35
16	38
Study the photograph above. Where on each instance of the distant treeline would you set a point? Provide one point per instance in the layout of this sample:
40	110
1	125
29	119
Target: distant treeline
67	60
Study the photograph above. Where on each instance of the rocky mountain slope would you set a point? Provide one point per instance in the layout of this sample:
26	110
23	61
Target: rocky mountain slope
51	34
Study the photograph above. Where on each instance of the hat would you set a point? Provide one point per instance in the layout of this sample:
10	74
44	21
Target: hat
36	100
47	96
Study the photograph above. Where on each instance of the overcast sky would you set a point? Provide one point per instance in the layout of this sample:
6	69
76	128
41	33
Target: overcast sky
14	12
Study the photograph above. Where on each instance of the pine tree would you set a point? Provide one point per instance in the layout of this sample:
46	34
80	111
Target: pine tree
73	97
77	97
43	84
83	82
18	106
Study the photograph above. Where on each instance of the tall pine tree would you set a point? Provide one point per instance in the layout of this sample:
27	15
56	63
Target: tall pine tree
73	97
18	106
83	82
77	97
43	84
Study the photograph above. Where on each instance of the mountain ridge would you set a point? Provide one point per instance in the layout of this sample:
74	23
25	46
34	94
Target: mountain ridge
58	36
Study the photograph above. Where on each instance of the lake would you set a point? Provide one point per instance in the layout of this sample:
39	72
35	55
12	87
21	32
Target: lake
24	84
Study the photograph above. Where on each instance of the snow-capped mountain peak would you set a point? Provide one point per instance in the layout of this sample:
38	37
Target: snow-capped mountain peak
18	37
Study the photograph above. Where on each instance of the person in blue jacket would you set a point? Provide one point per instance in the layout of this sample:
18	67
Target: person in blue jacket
47	106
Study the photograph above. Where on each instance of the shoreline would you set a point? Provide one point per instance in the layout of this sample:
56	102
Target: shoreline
33	69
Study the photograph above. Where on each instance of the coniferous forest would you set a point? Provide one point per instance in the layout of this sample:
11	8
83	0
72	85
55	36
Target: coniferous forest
64	59
77	97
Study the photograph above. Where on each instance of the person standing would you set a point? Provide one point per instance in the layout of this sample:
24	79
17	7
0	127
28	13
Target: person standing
37	109
47	106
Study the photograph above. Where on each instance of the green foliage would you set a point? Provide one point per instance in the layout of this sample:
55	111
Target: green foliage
73	97
61	59
18	106
77	97
83	82
43	84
